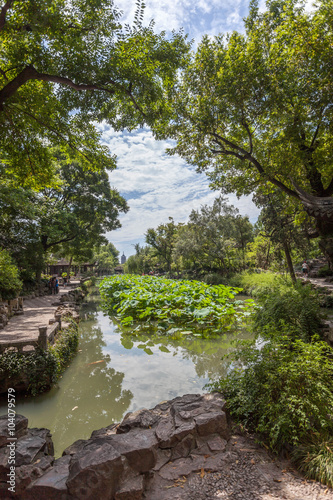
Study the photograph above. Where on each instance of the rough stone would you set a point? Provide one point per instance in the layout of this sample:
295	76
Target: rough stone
144	419
94	472
139	447
52	485
132	489
21	425
211	423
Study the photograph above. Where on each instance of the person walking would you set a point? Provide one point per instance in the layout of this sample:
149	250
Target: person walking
305	269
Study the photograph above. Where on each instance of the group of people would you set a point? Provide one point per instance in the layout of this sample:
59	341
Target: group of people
54	285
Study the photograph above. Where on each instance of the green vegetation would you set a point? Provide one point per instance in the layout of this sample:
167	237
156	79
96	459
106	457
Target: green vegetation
10	284
39	370
315	459
188	307
74	63
282	390
258	282
253	111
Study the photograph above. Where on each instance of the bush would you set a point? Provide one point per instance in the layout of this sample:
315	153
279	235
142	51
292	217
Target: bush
283	391
10	284
315	459
41	369
292	306
324	271
256	283
214	279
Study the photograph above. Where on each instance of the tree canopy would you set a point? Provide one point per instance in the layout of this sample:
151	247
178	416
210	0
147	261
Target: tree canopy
65	64
254	110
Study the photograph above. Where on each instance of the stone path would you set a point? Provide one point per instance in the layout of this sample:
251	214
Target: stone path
37	312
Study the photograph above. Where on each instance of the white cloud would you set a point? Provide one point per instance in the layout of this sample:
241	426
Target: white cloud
156	186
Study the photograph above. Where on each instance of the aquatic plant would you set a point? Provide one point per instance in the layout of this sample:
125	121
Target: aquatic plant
171	306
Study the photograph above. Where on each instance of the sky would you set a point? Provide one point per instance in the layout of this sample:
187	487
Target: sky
155	185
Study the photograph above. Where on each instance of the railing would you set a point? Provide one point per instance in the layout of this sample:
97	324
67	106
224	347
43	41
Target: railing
46	336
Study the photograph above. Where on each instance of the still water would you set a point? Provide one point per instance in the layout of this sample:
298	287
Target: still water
114	373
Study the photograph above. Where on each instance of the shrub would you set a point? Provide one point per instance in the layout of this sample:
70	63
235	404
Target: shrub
324	271
292	306
256	283
283	390
10	284
214	279
315	459
41	369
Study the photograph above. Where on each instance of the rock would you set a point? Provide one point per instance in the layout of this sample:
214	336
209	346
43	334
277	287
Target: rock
211	423
139	447
95	472
141	418
52	485
26	474
132	489
118	462
21	425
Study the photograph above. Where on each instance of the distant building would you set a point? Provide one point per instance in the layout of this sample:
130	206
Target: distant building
123	259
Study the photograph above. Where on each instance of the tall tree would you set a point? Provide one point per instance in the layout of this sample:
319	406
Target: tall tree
215	238
162	239
71	217
65	64
254	110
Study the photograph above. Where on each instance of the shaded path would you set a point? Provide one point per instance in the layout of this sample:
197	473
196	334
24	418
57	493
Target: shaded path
37	312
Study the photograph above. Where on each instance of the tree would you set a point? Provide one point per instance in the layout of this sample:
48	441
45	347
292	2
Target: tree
215	238
254	111
70	217
162	240
81	209
65	64
106	258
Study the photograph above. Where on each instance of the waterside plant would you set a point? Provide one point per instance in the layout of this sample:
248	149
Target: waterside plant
169	306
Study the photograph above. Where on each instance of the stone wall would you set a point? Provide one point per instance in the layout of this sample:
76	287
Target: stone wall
144	454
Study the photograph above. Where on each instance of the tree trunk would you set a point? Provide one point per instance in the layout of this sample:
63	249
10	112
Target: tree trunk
288	259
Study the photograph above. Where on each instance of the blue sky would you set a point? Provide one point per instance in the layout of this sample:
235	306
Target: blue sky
155	185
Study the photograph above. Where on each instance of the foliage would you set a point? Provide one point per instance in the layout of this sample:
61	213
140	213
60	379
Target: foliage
65	347
67	64
143	262
253	109
162	240
172	305
106	257
214	239
70	218
10	284
294	306
324	271
258	282
41	368
282	390
314	459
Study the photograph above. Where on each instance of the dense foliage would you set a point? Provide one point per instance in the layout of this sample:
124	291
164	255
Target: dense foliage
253	110
10	284
172	305
282	390
41	369
295	306
67	64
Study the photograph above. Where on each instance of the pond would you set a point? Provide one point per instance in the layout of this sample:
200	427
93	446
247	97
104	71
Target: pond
114	373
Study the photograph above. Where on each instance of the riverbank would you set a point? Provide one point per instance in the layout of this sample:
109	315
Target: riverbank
37	312
36	346
183	449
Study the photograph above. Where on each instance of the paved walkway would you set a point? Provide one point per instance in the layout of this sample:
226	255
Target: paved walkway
37	312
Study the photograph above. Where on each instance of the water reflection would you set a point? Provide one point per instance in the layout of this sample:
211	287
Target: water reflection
115	372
